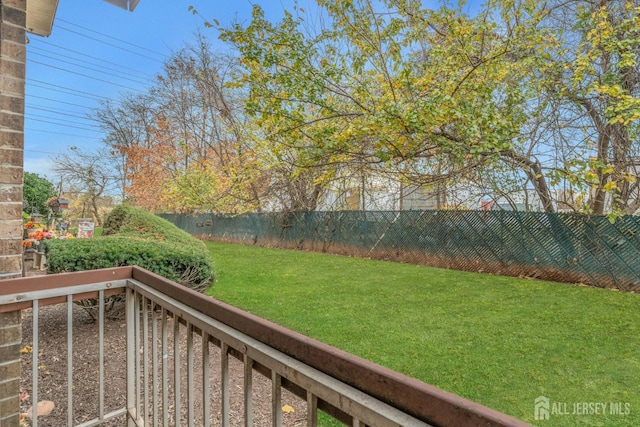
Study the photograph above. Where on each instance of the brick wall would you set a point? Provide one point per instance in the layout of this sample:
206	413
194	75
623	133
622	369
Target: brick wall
10	341
12	75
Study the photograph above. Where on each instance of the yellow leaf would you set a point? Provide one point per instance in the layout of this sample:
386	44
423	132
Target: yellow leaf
26	349
288	409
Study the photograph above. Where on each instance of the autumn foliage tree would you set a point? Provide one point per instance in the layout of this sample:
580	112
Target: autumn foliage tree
545	92
183	145
426	94
518	95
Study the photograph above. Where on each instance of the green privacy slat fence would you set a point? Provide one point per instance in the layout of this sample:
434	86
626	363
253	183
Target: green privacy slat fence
564	247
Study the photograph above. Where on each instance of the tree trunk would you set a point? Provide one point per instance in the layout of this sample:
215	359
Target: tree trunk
533	170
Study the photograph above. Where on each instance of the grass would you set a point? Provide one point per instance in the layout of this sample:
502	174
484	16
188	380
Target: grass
499	341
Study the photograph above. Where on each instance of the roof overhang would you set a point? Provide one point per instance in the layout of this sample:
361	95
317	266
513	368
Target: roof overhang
40	14
124	4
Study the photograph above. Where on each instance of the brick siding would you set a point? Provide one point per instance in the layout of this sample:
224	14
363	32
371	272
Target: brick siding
12	77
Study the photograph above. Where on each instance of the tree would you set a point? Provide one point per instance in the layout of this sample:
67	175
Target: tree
128	124
185	145
580	137
90	175
36	192
601	81
428	95
546	91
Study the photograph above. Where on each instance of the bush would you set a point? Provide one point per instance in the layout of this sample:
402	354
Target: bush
134	237
127	220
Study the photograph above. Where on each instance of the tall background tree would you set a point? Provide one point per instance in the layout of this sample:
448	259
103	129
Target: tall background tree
426	96
185	145
543	94
522	97
90	176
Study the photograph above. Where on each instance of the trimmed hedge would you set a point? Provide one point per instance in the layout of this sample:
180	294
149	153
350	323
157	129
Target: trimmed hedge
135	237
127	220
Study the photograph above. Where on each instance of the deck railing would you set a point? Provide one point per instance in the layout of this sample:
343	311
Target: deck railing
179	348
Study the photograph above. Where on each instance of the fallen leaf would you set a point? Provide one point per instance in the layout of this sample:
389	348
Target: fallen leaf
288	409
43	408
26	349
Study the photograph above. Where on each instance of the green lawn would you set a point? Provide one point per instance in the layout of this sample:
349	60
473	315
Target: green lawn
496	340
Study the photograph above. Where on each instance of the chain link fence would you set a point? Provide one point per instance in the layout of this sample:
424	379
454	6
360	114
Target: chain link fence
570	248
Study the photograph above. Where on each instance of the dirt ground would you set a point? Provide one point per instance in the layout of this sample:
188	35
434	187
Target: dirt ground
53	378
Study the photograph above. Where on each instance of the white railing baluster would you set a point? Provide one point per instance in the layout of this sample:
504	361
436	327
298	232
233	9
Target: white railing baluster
206	404
137	352
276	399
165	369
101	355
248	391
312	410
131	350
70	360
145	357
224	382
154	365
34	362
176	367
190	387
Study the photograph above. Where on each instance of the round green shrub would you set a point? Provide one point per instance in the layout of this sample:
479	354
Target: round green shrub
134	237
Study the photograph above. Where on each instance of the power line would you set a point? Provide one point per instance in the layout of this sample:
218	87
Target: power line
66	88
65	125
48	110
108	44
85	75
61	102
92	57
84	61
69	91
92	69
113	38
31	116
64	134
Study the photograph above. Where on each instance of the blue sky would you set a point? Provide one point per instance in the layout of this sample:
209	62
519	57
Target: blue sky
98	51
